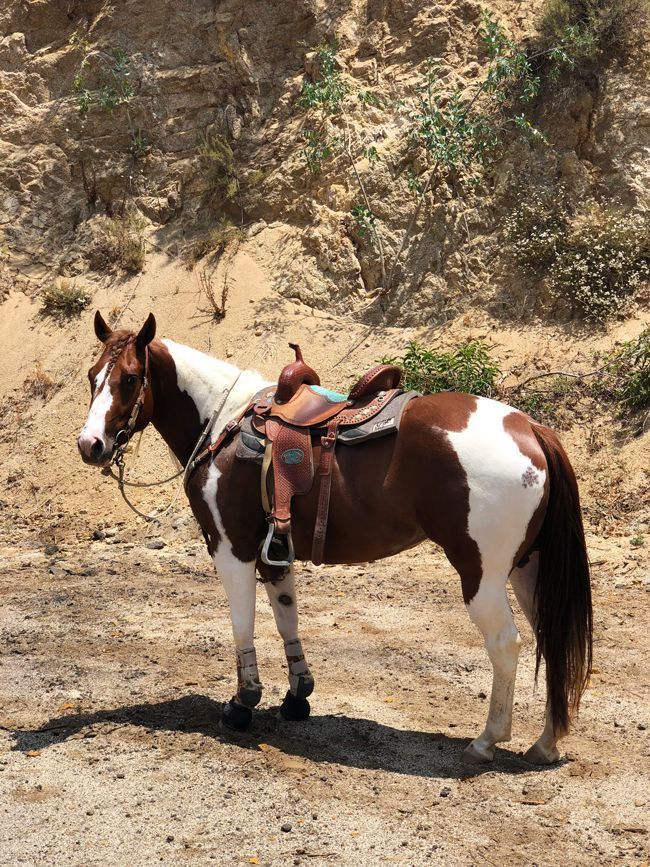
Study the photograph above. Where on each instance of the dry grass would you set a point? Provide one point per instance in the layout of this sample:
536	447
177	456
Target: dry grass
126	234
39	383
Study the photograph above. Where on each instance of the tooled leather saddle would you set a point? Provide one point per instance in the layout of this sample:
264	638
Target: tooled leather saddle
289	419
298	413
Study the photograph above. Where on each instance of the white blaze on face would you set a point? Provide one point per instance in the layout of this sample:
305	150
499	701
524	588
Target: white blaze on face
95	427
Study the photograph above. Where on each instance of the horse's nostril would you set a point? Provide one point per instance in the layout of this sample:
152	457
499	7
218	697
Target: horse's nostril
97	448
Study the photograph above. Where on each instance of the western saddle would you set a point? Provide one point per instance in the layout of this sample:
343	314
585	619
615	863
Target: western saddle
292	417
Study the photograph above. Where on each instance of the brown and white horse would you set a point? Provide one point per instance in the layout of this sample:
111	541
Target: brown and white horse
494	489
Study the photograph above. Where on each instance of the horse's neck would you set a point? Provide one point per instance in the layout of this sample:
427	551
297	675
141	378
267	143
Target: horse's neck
188	386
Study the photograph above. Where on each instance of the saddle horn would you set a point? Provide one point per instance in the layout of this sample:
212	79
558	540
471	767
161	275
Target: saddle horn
294	375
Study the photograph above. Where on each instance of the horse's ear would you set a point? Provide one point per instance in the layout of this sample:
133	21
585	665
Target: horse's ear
102	330
146	333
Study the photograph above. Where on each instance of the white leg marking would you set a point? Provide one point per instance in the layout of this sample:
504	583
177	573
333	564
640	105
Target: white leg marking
544	751
238	579
504	492
285	612
284	603
490	610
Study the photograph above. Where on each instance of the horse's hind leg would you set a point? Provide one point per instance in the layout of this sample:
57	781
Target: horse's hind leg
238	579
523	579
490	610
283	599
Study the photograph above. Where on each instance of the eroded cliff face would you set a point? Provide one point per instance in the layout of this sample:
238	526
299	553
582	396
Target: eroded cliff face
201	68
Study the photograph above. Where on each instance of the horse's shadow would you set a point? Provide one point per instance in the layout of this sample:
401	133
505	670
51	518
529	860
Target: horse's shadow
338	739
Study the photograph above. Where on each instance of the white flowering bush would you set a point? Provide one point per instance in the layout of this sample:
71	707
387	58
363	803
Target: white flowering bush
536	227
602	261
595	260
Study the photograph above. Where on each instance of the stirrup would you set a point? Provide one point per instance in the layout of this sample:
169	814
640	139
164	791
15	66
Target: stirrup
270	538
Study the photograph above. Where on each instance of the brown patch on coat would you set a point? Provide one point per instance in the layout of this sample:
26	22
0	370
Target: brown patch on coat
519	427
387	495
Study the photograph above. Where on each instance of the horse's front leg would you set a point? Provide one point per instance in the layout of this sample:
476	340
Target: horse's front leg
238	579
282	596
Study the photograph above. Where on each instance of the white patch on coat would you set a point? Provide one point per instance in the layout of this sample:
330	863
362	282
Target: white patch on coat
95	426
237	576
504	487
205	378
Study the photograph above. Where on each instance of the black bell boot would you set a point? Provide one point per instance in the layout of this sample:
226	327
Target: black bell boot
235	716
294	709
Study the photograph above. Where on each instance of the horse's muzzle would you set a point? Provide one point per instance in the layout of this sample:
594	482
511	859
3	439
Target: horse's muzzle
93	450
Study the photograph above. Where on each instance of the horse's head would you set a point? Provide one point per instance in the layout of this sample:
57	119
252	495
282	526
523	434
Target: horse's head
121	401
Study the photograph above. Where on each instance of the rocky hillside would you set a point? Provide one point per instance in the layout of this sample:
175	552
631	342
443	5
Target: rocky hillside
158	157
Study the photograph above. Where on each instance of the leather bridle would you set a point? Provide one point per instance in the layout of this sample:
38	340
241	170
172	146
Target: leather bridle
123	436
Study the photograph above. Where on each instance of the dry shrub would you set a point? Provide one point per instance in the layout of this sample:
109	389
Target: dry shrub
64	299
39	383
218	164
216	240
595	260
604	258
126	233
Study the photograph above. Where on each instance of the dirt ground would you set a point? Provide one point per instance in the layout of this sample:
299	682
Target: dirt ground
117	658
116	652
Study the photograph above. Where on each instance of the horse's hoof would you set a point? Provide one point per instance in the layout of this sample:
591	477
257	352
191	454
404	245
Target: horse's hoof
236	717
477	755
538	755
294	708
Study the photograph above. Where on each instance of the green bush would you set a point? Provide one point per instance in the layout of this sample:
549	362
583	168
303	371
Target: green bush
626	377
328	89
63	299
469	368
608	28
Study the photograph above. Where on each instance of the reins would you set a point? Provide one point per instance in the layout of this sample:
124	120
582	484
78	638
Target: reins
186	471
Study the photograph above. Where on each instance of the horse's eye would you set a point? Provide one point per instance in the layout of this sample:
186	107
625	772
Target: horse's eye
131	379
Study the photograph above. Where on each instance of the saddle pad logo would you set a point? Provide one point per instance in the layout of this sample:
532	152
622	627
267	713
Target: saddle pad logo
292	456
